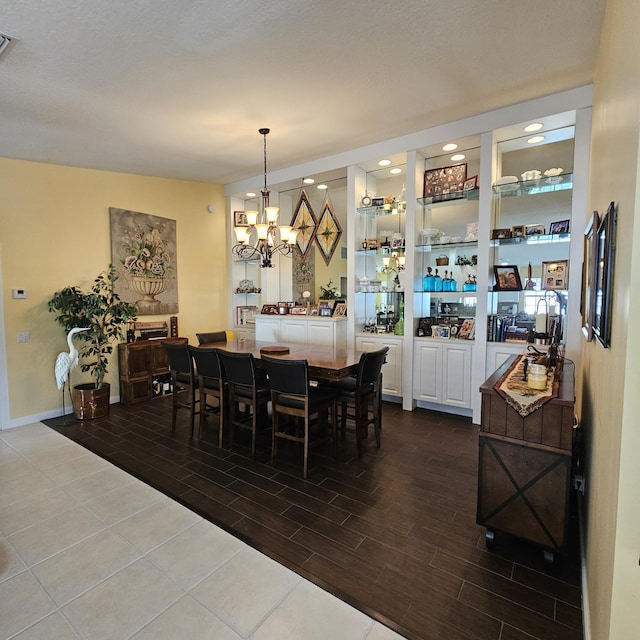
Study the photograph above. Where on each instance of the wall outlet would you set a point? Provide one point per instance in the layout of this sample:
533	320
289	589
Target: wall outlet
23	336
19	293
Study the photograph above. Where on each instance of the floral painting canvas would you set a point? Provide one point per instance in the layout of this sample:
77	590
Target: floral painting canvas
143	251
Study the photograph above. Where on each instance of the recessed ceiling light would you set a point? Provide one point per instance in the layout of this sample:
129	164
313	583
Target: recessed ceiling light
308	181
535	139
250	194
322	187
452	146
458	156
384	163
534	126
395	170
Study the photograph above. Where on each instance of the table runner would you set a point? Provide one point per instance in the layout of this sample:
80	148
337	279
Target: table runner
516	392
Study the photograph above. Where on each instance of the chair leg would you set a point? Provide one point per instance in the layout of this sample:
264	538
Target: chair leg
275	425
362	417
221	404
306	443
174	402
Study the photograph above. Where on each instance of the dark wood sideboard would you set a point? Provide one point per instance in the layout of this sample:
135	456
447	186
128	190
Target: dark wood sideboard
525	466
141	363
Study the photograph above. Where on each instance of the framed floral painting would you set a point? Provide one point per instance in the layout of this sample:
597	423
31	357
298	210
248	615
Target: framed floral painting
143	251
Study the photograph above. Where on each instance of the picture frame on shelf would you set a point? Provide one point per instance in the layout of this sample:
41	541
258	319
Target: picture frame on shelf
269	309
500	234
240	219
445	183
298	311
341	310
470	183
561	226
534	230
517	231
326	304
441	331
326	312
377	201
313	310
555	275
589	275
603	283
467	330
373	243
507	278
397	243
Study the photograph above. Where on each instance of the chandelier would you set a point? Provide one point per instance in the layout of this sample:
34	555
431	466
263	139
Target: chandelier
269	237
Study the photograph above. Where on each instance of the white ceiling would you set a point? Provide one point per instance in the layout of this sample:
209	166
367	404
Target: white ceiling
179	88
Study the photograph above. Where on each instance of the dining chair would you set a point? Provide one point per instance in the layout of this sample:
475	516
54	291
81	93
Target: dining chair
183	381
211	336
247	385
360	398
292	396
210	385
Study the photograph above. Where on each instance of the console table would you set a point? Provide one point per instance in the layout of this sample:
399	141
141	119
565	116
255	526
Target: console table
140	363
525	465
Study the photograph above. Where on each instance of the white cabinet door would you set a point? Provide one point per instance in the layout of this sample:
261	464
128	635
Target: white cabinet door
392	369
292	330
456	374
322	333
427	382
267	329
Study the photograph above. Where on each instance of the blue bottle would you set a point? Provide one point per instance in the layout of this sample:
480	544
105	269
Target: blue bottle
437	282
427	281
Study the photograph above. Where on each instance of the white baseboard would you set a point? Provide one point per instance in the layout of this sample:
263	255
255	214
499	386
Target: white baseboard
586	618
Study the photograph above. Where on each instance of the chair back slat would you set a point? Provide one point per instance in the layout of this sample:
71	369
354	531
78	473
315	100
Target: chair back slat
211	336
287	376
179	357
370	366
207	362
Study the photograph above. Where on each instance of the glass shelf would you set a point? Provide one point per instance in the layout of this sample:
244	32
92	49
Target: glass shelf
384	210
447	245
531	187
532	240
449	294
456	196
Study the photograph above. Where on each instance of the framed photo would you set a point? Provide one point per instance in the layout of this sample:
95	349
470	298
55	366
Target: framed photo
441	331
326	304
534	230
507	278
313	310
517	231
467	330
298	311
470	183
377	201
326	311
240	219
270	309
555	274
397	243
559	227
445	183
500	234
373	243
589	275
603	283
341	310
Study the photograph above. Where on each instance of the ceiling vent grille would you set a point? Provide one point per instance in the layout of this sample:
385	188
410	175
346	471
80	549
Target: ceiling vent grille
6	42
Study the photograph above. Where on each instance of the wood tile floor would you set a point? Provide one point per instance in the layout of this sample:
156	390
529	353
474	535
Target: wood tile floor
393	535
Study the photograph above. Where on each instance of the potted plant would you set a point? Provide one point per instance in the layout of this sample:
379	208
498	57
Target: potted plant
105	315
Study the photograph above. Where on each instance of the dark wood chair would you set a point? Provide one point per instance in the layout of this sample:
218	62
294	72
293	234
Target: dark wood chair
211	336
360	398
183	381
247	386
210	385
292	396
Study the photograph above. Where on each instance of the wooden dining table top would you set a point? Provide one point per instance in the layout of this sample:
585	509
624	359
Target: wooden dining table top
327	363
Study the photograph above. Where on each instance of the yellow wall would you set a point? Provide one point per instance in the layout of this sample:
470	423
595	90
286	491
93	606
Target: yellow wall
610	402
54	232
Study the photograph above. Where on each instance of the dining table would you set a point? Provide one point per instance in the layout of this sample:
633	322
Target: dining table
325	363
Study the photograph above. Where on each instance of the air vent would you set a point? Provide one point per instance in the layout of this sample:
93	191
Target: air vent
6	42
343	253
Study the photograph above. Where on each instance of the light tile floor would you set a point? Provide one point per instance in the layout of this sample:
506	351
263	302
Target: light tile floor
89	552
